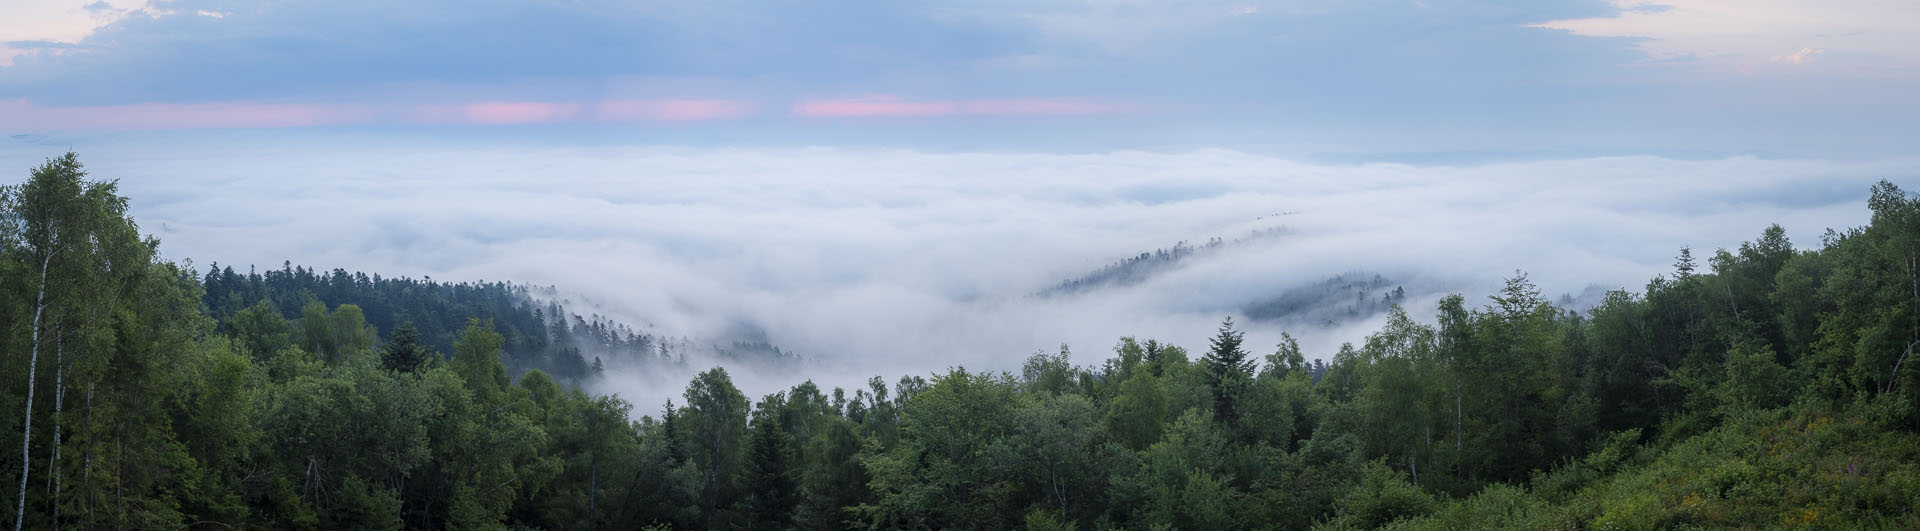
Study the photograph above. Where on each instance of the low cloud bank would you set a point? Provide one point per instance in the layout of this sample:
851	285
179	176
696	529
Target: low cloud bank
888	262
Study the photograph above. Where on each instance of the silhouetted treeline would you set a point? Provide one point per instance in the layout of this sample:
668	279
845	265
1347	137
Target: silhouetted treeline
1332	301
1128	271
1136	269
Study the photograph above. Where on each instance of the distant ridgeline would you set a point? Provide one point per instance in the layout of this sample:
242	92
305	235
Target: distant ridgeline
1332	301
1136	269
538	334
1128	271
1329	302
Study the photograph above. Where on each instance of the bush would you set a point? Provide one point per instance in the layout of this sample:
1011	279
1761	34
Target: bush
1384	495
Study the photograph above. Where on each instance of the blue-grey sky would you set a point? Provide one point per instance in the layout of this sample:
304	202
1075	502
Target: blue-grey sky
1301	77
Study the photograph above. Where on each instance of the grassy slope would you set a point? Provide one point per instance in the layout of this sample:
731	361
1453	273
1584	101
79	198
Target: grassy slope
1775	469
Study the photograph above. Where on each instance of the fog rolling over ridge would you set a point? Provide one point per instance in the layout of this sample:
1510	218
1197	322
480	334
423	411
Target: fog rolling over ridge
889	262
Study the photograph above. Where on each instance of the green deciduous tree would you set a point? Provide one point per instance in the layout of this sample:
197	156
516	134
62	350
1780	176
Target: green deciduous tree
476	359
715	421
1137	411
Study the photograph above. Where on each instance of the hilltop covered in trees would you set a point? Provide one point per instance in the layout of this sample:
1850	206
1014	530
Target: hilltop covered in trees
326	312
334	312
1332	301
1767	387
1133	270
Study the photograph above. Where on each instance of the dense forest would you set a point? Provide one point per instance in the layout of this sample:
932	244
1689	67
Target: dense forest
1768	387
339	312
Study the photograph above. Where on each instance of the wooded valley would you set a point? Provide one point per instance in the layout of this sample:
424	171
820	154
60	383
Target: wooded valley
1758	386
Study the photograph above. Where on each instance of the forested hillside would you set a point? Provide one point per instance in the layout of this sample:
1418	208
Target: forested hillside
1133	270
340	311
1342	298
1332	301
331	308
1767	386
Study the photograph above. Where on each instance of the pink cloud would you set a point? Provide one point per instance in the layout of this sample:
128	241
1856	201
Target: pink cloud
670	110
883	106
518	112
492	112
859	108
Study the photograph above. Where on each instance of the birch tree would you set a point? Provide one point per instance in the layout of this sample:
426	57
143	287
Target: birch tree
81	251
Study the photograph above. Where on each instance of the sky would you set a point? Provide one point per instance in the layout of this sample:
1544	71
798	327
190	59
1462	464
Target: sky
1298	77
882	185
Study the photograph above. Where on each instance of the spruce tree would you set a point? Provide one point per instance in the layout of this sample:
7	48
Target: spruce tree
770	485
403	352
1227	370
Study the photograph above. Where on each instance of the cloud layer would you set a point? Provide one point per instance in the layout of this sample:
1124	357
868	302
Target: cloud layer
893	261
1867	37
1560	76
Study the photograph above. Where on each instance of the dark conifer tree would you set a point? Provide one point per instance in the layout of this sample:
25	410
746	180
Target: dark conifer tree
404	352
1227	369
770	485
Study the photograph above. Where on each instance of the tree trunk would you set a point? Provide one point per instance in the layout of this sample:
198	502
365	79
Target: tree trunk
1059	491
1459	428
1428	441
593	493
120	471
26	430
1728	283
87	473
713	479
1894	378
59	398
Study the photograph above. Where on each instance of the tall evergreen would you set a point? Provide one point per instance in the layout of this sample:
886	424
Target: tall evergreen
403	352
770	483
1227	370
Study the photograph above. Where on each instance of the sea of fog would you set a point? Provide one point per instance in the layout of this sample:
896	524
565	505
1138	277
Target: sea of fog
890	262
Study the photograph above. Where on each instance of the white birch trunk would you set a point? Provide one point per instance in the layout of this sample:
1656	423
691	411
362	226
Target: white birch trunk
33	361
59	398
